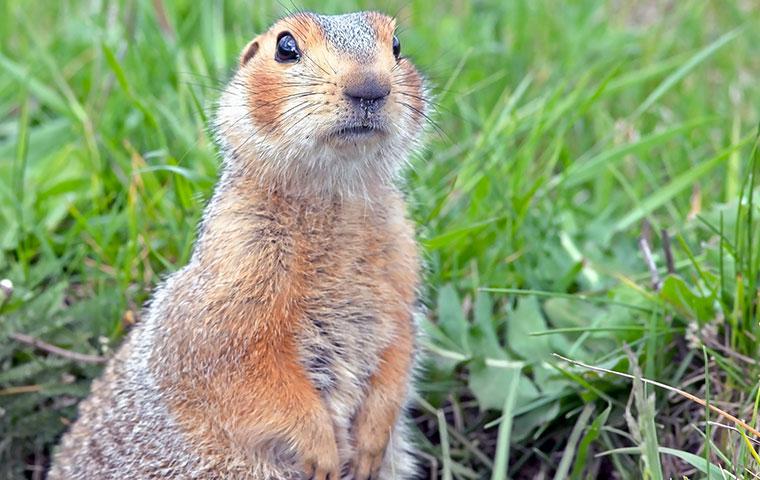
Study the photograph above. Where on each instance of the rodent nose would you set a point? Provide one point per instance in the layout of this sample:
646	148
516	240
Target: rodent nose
368	95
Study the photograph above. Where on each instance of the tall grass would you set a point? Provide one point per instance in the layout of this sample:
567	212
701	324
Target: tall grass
566	128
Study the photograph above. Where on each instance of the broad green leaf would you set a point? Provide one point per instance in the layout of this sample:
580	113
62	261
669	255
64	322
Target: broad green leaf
484	341
677	293
451	317
489	383
527	318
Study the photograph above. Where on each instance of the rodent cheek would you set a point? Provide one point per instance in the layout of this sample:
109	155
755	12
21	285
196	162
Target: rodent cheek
266	97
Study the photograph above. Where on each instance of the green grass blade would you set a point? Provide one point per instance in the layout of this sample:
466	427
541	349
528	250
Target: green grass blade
572	442
584	171
501	459
684	70
675	186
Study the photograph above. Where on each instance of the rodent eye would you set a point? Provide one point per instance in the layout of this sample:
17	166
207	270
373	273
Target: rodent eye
396	47
287	49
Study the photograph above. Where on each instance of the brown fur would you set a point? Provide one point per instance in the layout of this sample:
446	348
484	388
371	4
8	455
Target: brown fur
285	348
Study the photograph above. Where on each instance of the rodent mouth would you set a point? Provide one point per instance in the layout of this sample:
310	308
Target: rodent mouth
356	132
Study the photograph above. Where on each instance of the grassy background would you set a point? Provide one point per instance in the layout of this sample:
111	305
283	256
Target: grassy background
571	131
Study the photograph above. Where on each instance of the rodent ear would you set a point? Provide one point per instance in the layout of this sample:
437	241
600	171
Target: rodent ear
248	52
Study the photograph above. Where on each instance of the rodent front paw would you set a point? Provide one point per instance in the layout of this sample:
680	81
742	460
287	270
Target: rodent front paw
315	471
322	463
370	448
366	464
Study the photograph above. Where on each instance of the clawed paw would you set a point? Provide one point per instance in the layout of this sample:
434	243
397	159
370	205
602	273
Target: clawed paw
366	464
315	470
320	461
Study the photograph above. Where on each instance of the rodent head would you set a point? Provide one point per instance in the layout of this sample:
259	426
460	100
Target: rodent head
323	104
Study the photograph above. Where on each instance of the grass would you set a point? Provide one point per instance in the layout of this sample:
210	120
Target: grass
577	136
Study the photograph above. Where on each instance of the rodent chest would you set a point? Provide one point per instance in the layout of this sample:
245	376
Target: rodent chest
348	320
341	338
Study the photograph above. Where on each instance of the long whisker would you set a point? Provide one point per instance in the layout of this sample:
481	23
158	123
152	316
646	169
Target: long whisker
277	101
203	85
427	101
273	124
427	117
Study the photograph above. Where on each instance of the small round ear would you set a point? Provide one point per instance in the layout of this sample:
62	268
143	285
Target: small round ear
249	51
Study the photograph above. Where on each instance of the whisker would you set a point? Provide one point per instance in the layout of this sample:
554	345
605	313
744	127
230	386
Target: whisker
277	101
314	62
232	125
299	84
295	124
427	117
273	123
431	88
212	87
428	101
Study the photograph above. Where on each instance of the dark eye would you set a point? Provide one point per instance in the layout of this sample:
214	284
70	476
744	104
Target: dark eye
287	49
396	47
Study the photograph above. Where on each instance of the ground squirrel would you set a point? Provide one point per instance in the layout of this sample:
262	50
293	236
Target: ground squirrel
285	348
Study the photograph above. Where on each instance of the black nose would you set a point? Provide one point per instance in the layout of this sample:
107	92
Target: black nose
368	95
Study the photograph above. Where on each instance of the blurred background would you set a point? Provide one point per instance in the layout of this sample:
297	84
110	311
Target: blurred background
590	189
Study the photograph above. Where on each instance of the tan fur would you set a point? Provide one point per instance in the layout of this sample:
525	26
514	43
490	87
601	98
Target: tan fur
285	349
